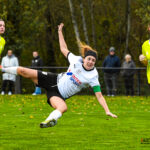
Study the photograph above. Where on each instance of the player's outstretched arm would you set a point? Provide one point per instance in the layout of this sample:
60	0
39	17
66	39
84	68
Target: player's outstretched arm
102	101
62	43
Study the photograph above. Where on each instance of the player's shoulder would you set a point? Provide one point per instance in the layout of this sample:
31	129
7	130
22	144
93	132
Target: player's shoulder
93	73
79	58
145	43
74	58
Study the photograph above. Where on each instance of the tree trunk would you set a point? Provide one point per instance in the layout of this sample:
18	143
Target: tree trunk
128	26
74	22
49	38
84	23
92	21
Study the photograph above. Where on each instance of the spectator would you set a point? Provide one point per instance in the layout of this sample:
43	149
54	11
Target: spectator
111	75
36	62
128	74
8	79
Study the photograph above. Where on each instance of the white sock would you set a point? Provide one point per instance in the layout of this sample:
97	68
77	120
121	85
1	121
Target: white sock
56	114
11	70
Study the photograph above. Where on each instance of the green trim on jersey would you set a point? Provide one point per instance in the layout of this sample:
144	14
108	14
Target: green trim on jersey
2	44
96	88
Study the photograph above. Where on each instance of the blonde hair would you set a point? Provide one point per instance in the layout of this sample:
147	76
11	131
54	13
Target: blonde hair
128	56
84	48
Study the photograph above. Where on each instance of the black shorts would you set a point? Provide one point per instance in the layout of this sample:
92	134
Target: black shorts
48	81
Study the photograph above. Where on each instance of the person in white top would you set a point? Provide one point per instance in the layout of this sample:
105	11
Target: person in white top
10	60
80	74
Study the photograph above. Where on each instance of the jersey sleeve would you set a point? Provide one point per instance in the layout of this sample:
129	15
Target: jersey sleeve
73	58
94	81
95	84
97	88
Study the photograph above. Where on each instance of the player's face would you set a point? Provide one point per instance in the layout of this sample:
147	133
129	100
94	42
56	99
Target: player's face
89	62
2	27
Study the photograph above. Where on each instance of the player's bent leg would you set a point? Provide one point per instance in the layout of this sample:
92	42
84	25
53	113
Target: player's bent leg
58	103
60	107
28	73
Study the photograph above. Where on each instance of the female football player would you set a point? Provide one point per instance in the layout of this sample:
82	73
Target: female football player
80	74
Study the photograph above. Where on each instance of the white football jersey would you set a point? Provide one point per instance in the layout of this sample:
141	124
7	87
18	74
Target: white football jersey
76	77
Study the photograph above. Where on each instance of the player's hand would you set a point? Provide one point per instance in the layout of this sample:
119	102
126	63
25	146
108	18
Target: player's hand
111	114
142	57
60	27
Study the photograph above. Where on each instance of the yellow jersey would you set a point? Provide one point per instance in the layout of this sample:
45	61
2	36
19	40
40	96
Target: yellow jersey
146	53
2	44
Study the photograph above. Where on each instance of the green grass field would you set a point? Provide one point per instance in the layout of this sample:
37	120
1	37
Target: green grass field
84	126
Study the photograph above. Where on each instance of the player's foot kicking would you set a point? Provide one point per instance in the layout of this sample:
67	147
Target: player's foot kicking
48	123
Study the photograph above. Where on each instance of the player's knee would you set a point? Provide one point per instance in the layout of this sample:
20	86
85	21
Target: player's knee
63	108
22	71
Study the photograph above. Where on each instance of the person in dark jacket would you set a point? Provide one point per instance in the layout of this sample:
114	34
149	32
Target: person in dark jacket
110	74
128	74
36	62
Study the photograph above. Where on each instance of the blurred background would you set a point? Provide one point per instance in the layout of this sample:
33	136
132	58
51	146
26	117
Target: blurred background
32	26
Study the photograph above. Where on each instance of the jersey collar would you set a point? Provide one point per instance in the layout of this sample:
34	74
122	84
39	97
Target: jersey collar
86	69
